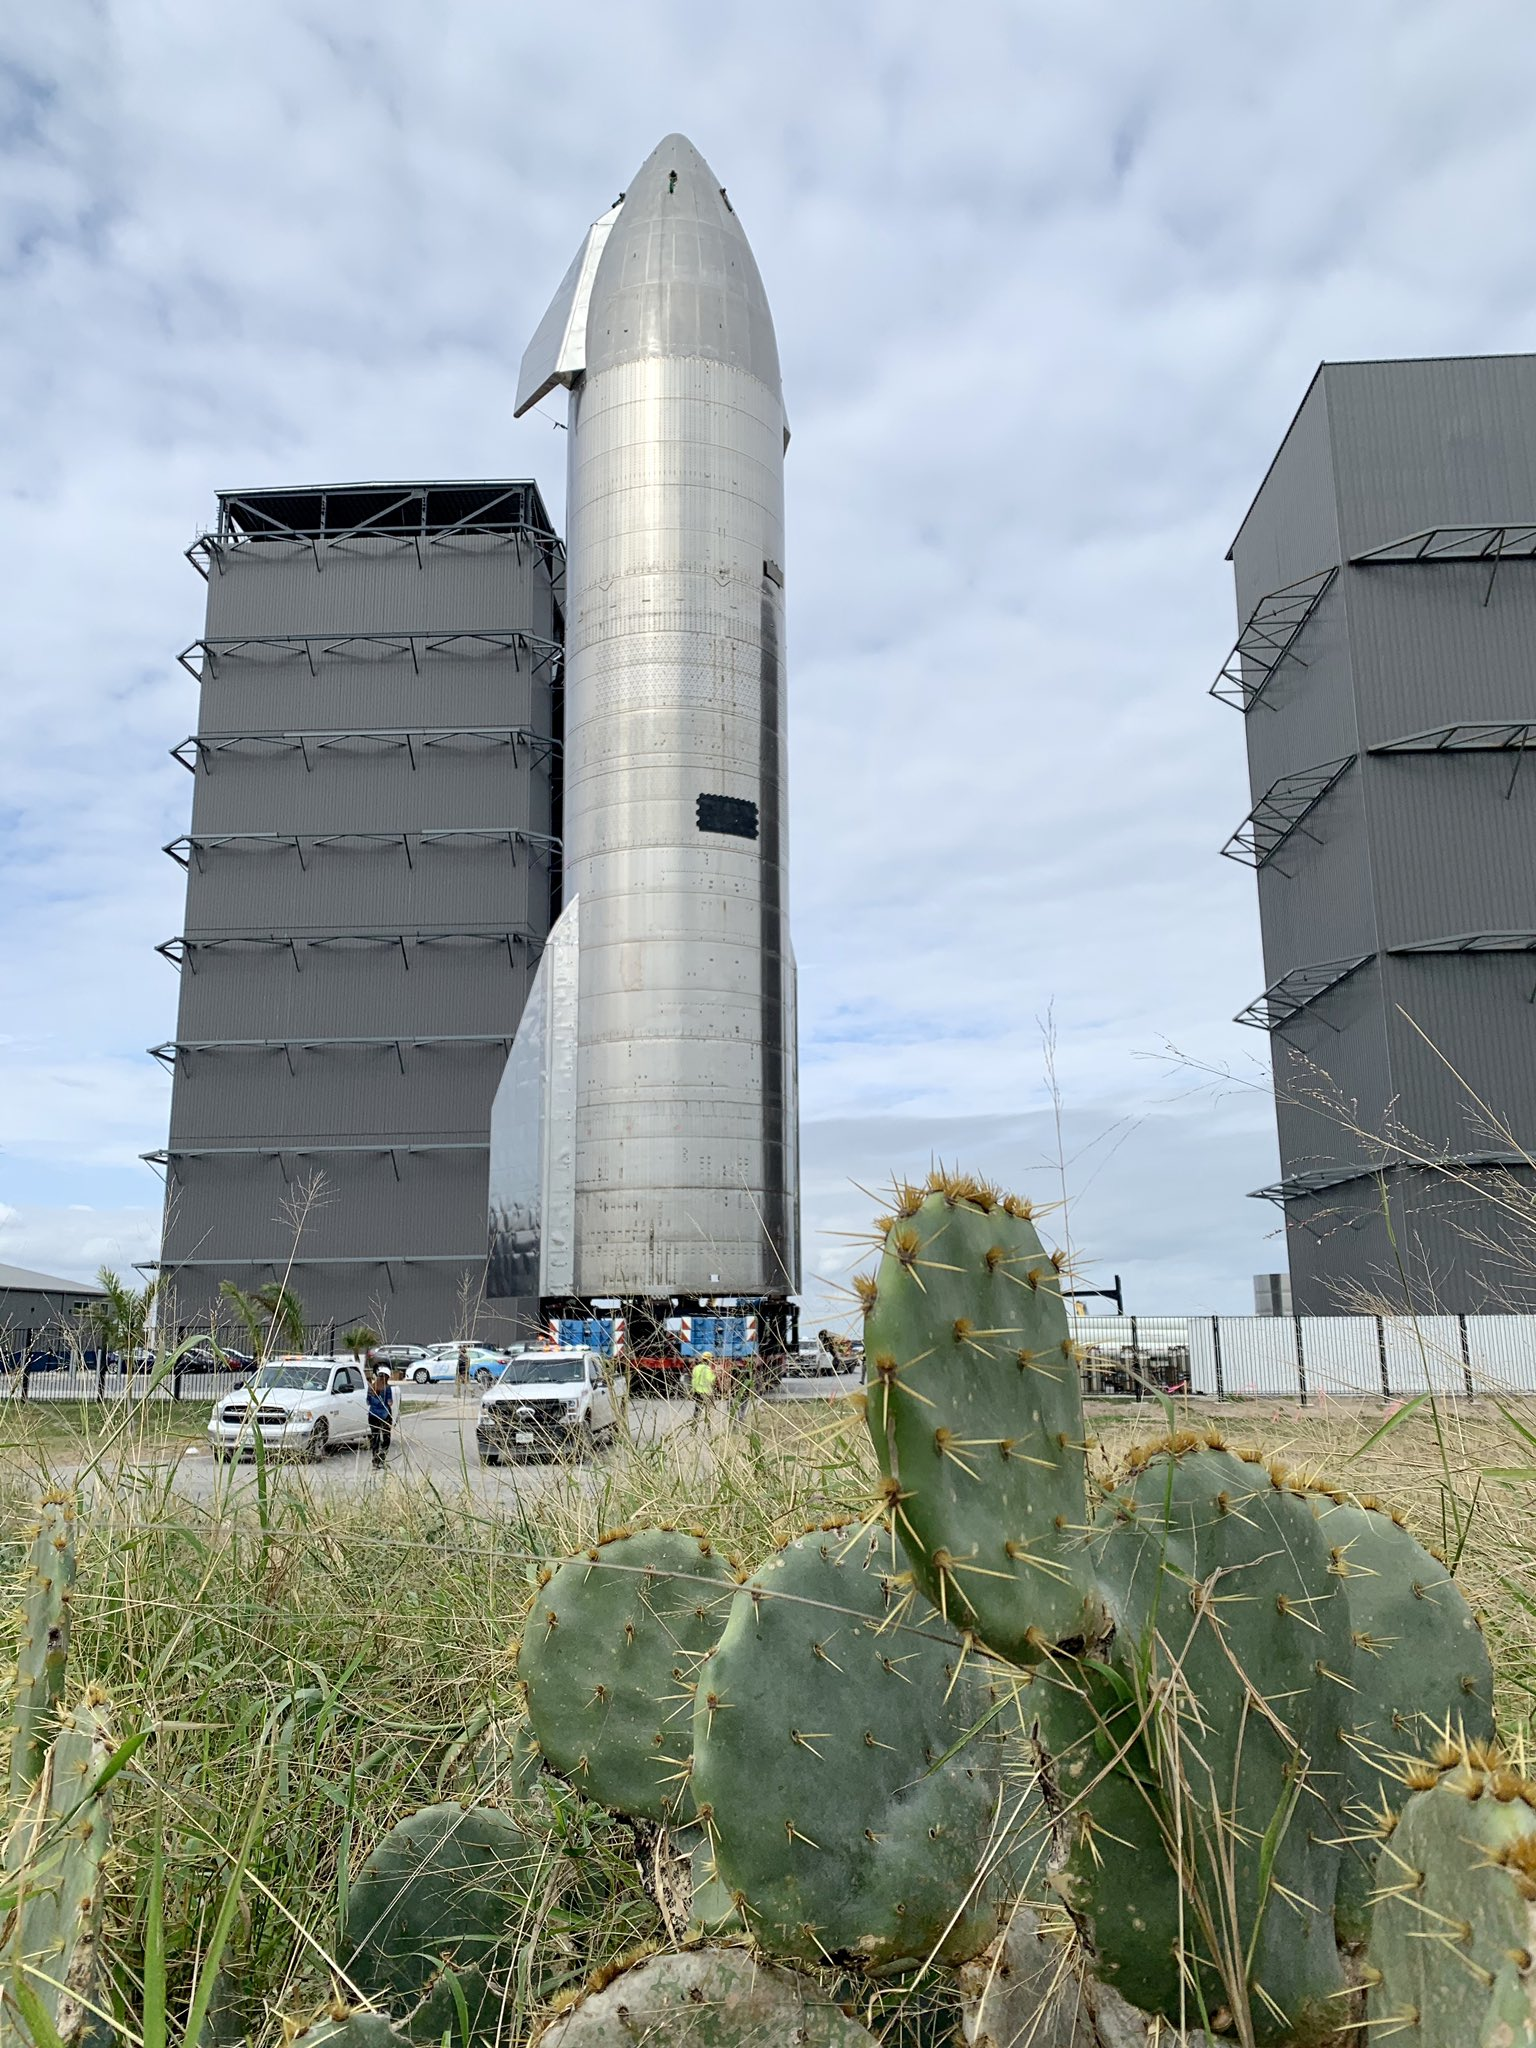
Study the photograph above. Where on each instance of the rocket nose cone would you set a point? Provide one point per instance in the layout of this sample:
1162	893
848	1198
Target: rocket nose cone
674	153
677	276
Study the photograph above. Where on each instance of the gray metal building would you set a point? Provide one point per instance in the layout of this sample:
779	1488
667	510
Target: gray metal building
35	1305
1386	584
372	869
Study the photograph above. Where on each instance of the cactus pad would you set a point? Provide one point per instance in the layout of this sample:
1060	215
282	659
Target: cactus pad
975	1407
1420	1669
53	1859
836	1762
1453	1934
1219	1701
705	1998
609	1655
440	1897
44	1647
359	2029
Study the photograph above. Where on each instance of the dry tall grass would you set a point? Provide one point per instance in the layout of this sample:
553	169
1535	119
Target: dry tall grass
308	1665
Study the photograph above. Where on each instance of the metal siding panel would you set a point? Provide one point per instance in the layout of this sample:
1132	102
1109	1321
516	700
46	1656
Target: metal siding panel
1412	846
234	1210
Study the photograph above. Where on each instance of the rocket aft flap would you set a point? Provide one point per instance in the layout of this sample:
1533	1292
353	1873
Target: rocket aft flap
644	1140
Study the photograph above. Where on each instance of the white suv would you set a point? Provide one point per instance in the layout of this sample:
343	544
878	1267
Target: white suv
546	1402
299	1406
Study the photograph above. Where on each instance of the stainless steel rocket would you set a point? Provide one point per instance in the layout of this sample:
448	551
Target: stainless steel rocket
645	1134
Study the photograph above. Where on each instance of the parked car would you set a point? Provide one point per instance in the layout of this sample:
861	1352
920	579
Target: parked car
440	1362
211	1357
300	1407
397	1357
545	1403
816	1374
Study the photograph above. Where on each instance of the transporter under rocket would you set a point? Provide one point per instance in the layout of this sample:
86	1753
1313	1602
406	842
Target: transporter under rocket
644	1140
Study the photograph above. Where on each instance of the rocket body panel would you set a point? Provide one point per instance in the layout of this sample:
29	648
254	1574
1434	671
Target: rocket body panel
685	1146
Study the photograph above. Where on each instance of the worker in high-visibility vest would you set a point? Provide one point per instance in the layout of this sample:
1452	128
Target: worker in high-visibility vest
702	1383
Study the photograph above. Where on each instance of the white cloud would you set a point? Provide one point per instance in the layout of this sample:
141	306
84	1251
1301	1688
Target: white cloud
1049	283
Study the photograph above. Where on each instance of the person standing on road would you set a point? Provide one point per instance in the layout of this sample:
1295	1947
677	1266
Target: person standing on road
461	1370
381	1417
703	1384
739	1388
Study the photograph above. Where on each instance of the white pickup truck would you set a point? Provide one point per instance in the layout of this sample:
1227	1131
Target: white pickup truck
544	1404
300	1407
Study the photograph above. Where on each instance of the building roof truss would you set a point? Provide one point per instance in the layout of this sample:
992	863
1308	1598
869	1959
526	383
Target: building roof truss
1511	541
1274	626
191	846
182	950
458	643
1297	991
249	520
1281	811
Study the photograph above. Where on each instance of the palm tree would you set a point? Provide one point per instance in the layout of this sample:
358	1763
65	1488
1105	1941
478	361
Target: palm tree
272	1316
120	1320
360	1341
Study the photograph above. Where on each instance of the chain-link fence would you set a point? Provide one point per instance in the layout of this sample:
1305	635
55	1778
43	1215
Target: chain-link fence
1222	1358
1309	1358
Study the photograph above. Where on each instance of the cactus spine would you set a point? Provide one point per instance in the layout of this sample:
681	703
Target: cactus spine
976	1411
53	1866
1418	1666
44	1648
431	1918
839	1767
609	1658
1452	1955
704	1998
1209	1649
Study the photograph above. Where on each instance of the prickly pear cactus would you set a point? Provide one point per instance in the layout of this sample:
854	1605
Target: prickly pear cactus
357	2029
44	1648
49	1959
1215	1703
1452	1955
609	1656
975	1407
437	1906
1419	1669
705	1998
837	1763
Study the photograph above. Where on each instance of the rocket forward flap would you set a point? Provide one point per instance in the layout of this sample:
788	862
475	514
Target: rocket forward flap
557	353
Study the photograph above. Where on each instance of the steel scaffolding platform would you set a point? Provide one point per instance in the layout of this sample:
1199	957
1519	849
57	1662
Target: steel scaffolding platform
1507	736
1280	811
1480	546
1297	991
180	949
1322	1180
191	846
175	1049
459	643
1472	942
167	1155
1273	627
202	746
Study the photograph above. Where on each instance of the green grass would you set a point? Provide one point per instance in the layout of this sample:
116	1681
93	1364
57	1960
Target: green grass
310	1666
91	1428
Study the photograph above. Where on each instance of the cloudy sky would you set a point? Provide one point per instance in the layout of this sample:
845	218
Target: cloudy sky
1049	282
